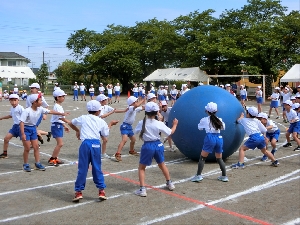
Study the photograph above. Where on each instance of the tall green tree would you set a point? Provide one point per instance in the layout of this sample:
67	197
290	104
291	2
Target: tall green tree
42	76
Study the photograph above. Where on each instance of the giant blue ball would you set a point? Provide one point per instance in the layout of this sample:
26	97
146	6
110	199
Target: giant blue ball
190	108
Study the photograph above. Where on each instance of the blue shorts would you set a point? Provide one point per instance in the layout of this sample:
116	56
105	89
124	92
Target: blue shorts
255	141
57	130
117	93
243	97
136	94
91	94
24	97
153	92
259	100
294	127
161	98
150	150
109	95
82	92
30	132
143	96
75	92
173	96
140	93
274	104
15	130
126	129
283	109
213	143
274	135
39	120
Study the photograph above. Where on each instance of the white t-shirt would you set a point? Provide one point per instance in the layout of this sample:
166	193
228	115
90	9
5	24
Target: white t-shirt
273	129
252	126
101	88
81	87
184	91
258	94
243	92
160	91
92	127
16	89
135	89
173	91
30	117
275	97
292	115
55	118
109	90
166	114
105	109
117	88
285	96
16	113
205	124
152	129
56	88
92	90
130	114
76	87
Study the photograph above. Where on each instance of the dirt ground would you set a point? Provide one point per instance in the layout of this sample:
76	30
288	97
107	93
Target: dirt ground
258	194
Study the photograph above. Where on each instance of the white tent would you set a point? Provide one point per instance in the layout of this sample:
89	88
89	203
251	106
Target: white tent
293	75
178	74
16	72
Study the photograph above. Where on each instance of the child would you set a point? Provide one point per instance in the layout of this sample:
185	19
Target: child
109	93
165	111
16	89
243	94
294	128
135	91
152	88
117	89
28	131
272	134
82	90
92	91
57	127
24	95
274	101
254	128
213	142
106	110
75	88
173	93
15	113
149	129
259	98
126	127
101	88
286	95
89	151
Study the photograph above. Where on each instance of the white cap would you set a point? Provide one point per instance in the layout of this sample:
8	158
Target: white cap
241	85
293	98
101	84
34	97
16	85
81	83
151	95
296	106
151	84
101	98
211	107
92	85
56	83
221	85
131	100
298	86
58	93
35	85
286	88
259	87
200	84
163	103
93	106
297	95
166	86
13	96
75	82
262	115
227	85
252	111
288	102
174	85
277	88
184	85
151	107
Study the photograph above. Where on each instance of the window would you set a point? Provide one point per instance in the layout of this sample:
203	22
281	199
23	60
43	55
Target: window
12	63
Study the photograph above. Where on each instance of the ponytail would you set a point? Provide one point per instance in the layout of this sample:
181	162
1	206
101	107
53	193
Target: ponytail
143	128
215	121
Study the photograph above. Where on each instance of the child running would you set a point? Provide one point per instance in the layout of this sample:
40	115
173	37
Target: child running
255	129
126	127
89	151
57	127
294	128
15	113
149	129
275	97
28	131
213	141
272	134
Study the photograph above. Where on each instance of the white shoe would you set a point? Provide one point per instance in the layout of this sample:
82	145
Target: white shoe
171	186
105	156
141	192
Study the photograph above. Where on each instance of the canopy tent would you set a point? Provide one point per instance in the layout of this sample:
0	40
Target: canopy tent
178	74
293	75
16	72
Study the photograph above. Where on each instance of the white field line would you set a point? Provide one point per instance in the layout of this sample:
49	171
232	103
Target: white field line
293	222
269	184
272	183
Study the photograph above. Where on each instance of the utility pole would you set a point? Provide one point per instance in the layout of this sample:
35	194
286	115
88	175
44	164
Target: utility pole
43	57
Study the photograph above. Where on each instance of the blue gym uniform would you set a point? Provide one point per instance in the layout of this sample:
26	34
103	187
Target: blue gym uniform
57	127
16	113
126	126
294	126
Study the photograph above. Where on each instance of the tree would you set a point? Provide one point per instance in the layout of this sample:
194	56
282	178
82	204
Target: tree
68	72
42	76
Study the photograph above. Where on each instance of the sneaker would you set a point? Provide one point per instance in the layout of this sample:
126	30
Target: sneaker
277	117
297	149
26	167
105	156
133	152
102	195
264	158
118	157
39	166
52	162
269	117
275	163
78	195
287	145
170	186
58	161
48	136
197	178
4	155
238	165
141	192
172	149
223	178
273	151
41	139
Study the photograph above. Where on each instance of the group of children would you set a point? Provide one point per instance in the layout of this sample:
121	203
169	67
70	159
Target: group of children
149	129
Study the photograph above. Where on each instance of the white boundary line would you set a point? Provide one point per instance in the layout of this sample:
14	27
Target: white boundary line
293	222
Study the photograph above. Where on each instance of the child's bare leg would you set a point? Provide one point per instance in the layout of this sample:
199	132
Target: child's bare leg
59	144
26	145
36	151
269	154
165	170
142	169
104	142
6	141
132	142
242	153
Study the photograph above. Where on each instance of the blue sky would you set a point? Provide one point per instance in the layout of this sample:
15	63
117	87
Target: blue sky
29	27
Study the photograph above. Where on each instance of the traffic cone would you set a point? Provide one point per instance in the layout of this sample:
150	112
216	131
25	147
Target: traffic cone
128	94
